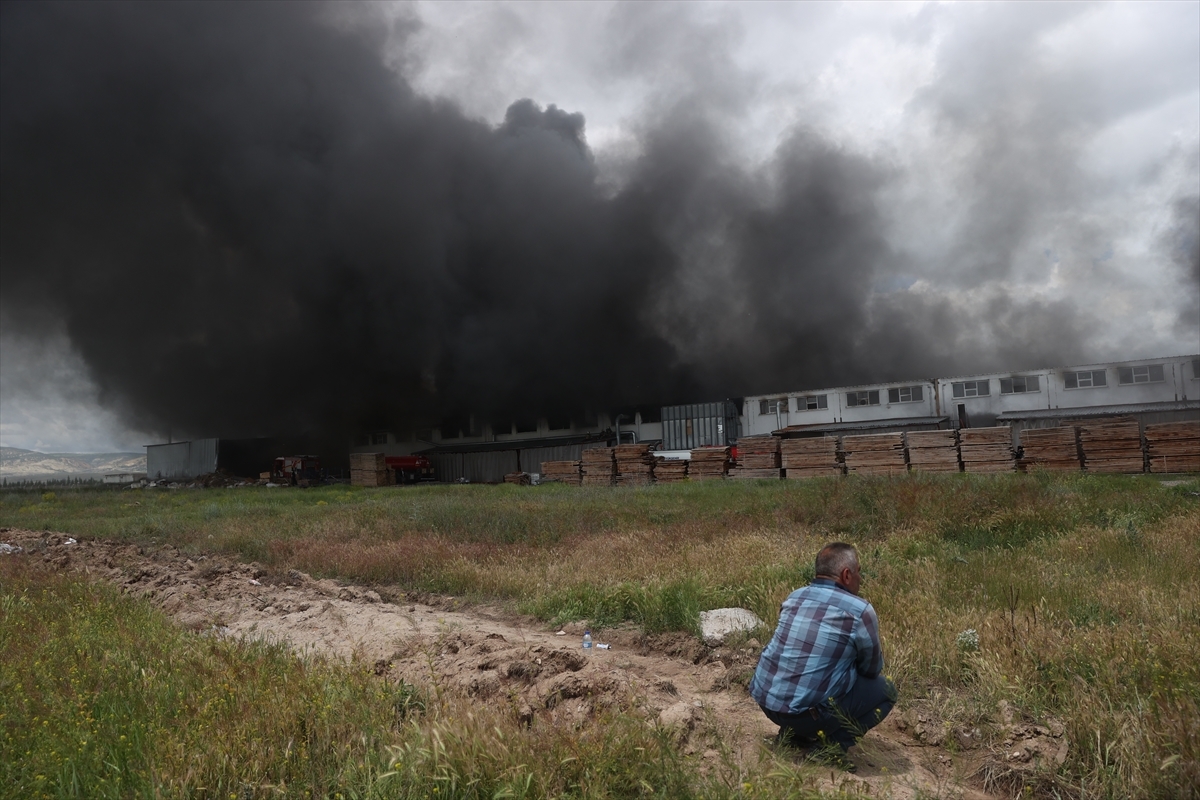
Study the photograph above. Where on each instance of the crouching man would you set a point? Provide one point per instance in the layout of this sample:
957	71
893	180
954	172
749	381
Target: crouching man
820	678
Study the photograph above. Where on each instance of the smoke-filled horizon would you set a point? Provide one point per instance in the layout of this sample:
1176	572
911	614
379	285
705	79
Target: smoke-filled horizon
245	220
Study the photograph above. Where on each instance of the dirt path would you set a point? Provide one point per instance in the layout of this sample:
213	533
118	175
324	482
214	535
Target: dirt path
698	692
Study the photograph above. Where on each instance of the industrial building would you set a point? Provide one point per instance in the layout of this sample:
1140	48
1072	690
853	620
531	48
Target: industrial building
1151	390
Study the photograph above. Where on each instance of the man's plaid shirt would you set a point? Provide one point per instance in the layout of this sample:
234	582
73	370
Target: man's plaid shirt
825	639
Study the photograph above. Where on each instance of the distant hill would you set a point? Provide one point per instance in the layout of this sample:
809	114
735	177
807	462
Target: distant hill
19	464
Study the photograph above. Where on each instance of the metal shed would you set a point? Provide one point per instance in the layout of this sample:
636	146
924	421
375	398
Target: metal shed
179	461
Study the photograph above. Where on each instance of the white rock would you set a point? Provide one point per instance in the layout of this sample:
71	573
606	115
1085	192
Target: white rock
715	625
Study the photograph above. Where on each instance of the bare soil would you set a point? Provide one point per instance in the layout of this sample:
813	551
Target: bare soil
483	652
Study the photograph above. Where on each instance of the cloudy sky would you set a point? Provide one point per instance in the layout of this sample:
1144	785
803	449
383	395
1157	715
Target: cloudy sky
756	197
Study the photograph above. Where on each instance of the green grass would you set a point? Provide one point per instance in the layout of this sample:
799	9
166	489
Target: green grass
1085	590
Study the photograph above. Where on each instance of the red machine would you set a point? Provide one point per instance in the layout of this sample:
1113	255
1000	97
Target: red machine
410	469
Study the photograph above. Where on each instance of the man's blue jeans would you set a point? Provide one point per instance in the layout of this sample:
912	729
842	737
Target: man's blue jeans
842	720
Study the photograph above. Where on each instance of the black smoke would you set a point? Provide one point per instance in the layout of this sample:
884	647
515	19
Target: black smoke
246	223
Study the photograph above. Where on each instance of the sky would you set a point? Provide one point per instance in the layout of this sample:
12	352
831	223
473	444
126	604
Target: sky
406	212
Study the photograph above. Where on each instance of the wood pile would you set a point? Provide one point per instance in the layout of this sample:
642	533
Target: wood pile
561	472
933	451
708	463
987	449
370	469
1174	446
519	478
810	458
875	454
598	466
758	457
1112	445
1050	448
635	465
670	470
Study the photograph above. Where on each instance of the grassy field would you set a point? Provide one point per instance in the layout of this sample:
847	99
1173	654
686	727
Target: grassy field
1084	592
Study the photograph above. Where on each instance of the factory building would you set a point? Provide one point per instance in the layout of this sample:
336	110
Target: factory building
1152	390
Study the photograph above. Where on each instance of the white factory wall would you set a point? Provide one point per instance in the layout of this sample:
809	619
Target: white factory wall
756	423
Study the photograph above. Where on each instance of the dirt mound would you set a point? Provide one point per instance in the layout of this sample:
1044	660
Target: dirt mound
697	692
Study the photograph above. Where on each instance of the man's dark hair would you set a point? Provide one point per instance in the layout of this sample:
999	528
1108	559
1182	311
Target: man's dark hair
835	557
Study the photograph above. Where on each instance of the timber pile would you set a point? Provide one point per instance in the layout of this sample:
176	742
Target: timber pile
1112	445
1174	446
987	449
635	465
875	454
1050	448
758	457
519	478
370	469
933	451
598	466
708	463
670	470
561	472
810	458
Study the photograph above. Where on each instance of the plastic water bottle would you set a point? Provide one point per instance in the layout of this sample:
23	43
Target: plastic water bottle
587	640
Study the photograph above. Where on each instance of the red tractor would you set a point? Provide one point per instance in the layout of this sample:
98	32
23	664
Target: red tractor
410	469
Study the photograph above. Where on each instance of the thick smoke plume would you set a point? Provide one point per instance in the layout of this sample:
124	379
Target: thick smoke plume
246	223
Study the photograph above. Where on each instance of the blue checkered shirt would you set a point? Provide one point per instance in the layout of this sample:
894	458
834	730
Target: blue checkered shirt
825	639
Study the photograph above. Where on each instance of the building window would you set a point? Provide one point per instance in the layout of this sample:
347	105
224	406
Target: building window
1196	369
971	389
1151	373
378	438
870	398
1020	384
812	402
1088	379
773	406
905	394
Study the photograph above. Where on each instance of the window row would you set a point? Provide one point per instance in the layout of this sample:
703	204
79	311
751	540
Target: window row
1078	379
780	405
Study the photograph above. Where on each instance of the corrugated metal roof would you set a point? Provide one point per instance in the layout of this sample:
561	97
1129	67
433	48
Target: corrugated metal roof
1101	411
864	425
518	444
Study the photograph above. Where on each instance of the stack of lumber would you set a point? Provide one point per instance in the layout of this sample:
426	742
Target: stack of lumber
370	469
757	457
875	454
598	466
519	478
561	472
987	449
635	465
670	470
1174	446
1111	445
1050	448
810	458
933	451
708	463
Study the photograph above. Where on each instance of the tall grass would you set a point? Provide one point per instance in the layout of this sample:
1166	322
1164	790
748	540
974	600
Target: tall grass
1085	590
101	697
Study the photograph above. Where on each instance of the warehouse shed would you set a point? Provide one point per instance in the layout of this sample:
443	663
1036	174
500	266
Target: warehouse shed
489	462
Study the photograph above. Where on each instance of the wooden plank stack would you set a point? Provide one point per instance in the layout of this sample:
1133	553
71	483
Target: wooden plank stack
670	470
1174	446
933	451
635	465
758	457
708	463
561	472
519	478
598	466
810	457
1111	445
370	469
875	454
1051	449
987	449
